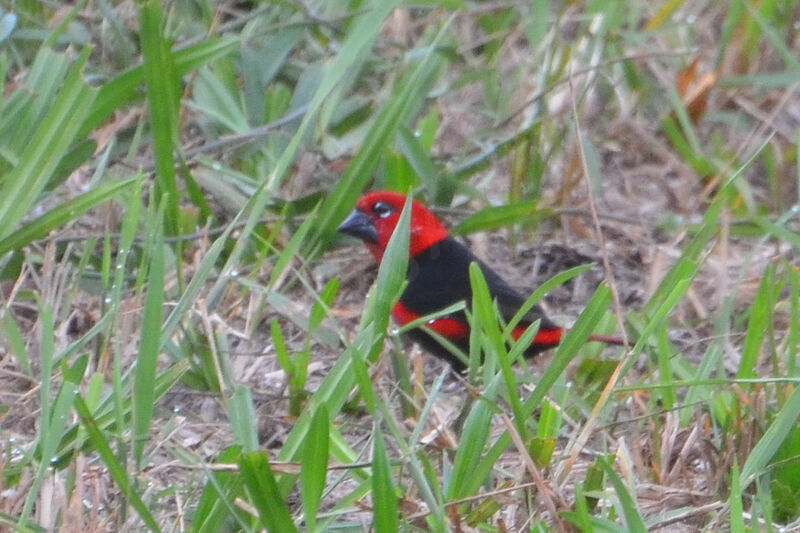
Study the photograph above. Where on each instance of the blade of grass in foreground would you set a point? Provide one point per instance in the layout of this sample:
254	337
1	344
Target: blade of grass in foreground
758	325
164	105
122	89
52	139
60	215
383	494
314	467
735	501
339	382
54	414
215	510
469	471
556	281
242	414
216	507
576	337
149	344
117	471
689	263
633	518
485	317
765	449
264	493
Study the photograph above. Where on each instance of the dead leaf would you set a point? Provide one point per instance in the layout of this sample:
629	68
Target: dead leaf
694	89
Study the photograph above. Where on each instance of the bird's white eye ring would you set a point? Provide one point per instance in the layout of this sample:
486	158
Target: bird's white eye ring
382	209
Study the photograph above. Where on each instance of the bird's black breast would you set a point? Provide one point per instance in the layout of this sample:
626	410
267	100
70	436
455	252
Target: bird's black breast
439	277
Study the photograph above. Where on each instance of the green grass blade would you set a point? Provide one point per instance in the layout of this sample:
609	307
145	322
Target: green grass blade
383	493
149	345
51	141
691	255
196	284
541	291
735	501
53	414
16	342
485	317
778	430
264	494
665	371
495	217
473	439
292	247
760	318
572	342
123	89
242	415
392	272
776	40
99	442
314	468
163	103
60	215
633	518
216	505
337	385
419	159
793	338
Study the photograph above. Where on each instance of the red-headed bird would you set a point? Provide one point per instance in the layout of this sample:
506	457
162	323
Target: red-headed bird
438	276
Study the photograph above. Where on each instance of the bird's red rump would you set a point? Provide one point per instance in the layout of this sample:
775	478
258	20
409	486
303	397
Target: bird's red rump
403	315
544	337
451	328
457	330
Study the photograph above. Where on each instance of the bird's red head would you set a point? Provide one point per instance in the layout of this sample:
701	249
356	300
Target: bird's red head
376	215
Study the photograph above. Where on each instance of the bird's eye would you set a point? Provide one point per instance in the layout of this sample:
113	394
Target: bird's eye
382	209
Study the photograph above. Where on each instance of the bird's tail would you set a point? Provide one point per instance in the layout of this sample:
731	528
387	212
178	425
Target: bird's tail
608	339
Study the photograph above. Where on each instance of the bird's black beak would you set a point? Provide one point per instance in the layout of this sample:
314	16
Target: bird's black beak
360	226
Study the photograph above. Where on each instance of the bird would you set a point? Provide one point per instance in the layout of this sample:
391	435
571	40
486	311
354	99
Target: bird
438	277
